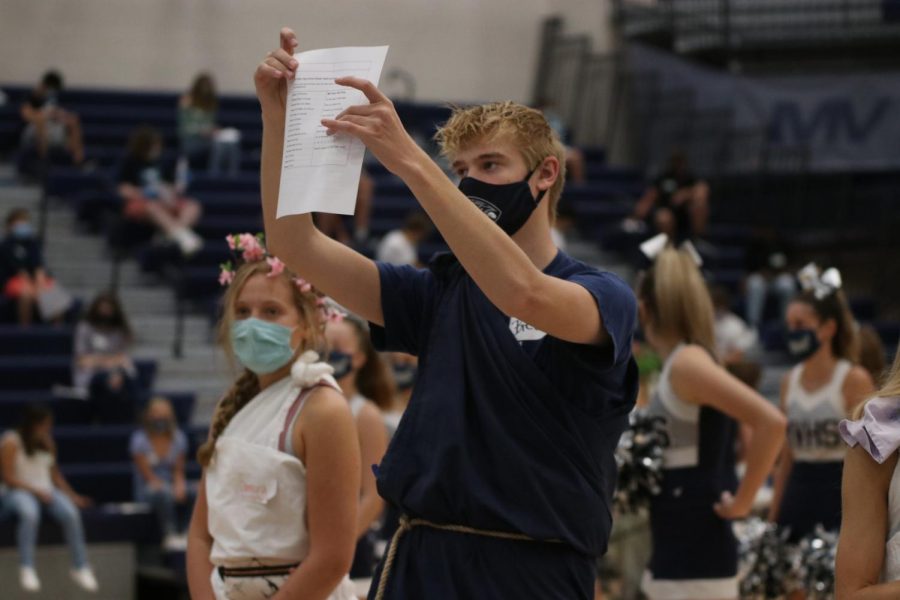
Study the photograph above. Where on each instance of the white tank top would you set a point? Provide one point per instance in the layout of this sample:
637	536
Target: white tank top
253	486
813	417
33	470
682	420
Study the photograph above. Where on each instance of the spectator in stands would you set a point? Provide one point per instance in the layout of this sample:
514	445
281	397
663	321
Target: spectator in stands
677	203
768	263
22	271
734	339
282	446
159	450
366	382
401	246
202	141
32	480
150	195
50	132
103	368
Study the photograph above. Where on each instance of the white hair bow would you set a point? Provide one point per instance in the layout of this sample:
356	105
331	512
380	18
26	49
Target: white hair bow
820	284
655	245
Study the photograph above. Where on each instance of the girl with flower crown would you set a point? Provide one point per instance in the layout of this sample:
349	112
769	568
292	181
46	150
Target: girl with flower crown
276	510
868	560
823	389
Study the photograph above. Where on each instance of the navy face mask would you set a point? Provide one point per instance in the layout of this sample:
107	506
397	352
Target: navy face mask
509	205
405	376
802	343
341	362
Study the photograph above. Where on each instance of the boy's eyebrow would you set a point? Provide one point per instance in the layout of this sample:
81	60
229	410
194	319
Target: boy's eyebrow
485	156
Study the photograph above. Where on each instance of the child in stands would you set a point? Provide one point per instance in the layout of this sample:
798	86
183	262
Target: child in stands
276	512
103	368
23	275
32	480
149	194
159	450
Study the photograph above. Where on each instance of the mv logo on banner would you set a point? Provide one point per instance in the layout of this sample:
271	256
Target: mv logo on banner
831	121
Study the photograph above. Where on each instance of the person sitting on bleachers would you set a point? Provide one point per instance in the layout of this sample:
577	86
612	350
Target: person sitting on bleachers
103	368
22	273
768	265
31	480
159	450
50	132
400	246
677	203
202	142
150	195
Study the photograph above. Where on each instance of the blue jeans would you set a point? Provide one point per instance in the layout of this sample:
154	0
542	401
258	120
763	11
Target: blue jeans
759	288
163	503
27	509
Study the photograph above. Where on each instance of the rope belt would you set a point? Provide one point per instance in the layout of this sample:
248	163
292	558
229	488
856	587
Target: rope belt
257	571
406	524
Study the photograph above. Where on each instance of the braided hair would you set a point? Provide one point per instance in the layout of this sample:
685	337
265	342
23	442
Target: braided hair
246	386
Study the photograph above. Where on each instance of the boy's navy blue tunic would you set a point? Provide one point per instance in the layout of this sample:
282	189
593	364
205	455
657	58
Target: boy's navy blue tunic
508	429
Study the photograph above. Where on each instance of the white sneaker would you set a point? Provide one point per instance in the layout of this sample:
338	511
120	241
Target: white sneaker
28	579
85	579
188	241
175	543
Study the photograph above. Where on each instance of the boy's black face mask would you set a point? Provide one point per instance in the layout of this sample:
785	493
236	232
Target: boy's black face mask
509	205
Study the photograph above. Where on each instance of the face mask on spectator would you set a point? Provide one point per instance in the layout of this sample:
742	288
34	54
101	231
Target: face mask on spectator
261	346
405	376
341	362
22	230
160	425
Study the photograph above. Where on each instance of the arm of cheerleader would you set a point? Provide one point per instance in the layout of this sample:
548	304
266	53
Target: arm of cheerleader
864	529
784	466
325	439
697	378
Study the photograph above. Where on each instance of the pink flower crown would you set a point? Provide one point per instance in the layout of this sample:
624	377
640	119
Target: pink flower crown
249	248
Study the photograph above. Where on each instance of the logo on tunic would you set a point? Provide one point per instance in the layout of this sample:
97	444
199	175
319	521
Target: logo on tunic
524	332
489	208
254	493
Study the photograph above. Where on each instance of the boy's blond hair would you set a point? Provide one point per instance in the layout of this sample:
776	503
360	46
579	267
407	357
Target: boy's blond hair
525	127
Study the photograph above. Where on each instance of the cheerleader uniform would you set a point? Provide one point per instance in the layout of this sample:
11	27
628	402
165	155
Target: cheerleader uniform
812	495
256	491
694	550
364	556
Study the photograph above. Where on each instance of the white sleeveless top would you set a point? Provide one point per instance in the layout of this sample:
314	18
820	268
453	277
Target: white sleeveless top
34	470
256	490
814	417
682	420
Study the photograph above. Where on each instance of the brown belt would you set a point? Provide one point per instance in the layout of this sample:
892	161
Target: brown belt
406	524
257	571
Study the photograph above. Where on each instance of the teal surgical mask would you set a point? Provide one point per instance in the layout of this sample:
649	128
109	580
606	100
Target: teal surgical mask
261	346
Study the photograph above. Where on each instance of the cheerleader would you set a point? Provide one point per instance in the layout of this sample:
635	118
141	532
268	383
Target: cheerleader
816	395
366	382
868	568
694	550
276	510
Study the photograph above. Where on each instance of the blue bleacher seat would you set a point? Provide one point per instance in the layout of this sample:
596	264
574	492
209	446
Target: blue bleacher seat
29	372
36	340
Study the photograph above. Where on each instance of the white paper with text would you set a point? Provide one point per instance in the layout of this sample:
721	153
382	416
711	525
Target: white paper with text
320	173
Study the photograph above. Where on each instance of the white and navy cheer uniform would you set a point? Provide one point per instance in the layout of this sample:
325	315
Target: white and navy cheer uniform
694	550
812	495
